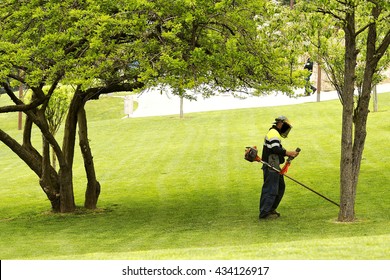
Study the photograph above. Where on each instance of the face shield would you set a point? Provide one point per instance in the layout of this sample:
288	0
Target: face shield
286	126
285	130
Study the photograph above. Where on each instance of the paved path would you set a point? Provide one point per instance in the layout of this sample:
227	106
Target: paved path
153	103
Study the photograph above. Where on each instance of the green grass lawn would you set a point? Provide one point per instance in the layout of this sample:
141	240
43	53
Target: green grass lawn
180	189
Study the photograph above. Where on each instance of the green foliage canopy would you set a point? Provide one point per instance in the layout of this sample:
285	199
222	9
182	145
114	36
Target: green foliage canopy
99	47
218	45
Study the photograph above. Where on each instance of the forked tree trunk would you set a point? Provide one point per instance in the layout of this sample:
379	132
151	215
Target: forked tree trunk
58	186
48	177
351	156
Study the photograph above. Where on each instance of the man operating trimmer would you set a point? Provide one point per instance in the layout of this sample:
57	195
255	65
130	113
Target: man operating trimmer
274	154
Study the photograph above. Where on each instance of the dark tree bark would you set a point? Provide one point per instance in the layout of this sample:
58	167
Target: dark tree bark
356	119
348	192
58	186
93	186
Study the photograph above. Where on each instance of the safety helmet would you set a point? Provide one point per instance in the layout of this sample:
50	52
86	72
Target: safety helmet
286	127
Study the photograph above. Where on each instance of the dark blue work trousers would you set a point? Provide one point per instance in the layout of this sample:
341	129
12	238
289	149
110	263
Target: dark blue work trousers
272	192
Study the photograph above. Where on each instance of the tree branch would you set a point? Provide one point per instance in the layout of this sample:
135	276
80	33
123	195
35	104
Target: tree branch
326	12
20	106
383	46
94	93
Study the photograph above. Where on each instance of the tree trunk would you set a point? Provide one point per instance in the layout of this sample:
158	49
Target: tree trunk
66	165
362	109
351	160
67	203
46	180
93	186
347	194
181	107
53	159
34	160
375	99
347	175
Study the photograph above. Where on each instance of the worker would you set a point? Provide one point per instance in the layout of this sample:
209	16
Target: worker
309	88
273	153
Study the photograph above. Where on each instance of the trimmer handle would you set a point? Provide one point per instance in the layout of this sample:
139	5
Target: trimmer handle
291	158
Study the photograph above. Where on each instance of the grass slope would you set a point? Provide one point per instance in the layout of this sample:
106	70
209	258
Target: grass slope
180	189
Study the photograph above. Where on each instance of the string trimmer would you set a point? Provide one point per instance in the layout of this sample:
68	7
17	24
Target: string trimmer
251	155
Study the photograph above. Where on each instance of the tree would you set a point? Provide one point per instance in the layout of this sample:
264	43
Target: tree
353	22
98	47
43	43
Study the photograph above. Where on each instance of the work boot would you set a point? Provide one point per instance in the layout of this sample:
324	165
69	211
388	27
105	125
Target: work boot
270	216
274	212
